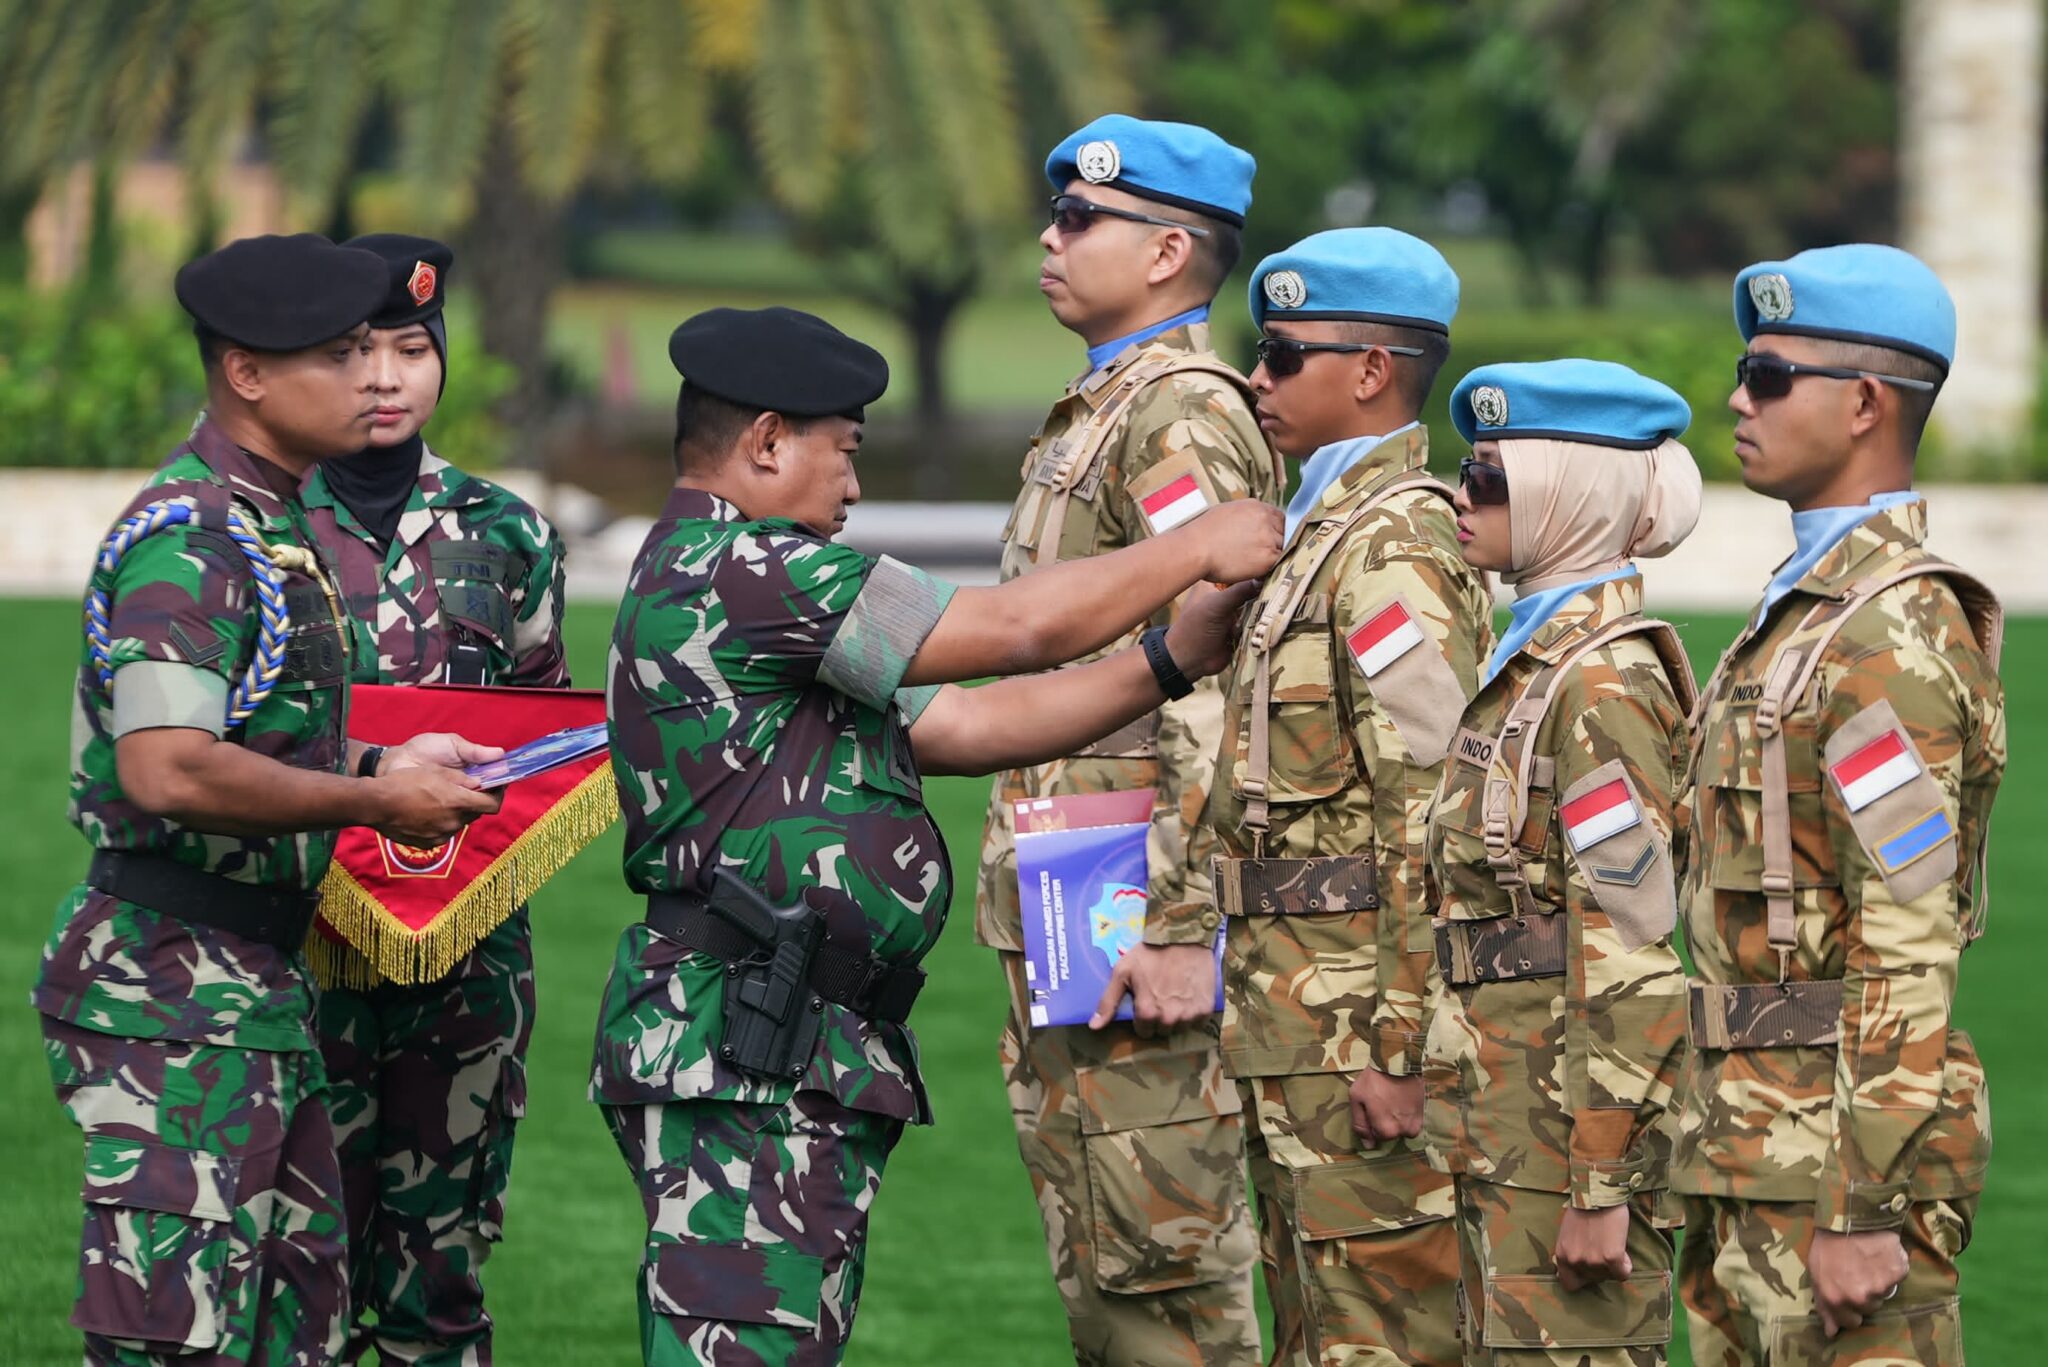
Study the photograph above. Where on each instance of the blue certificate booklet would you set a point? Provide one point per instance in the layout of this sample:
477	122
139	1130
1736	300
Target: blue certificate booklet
538	756
1081	879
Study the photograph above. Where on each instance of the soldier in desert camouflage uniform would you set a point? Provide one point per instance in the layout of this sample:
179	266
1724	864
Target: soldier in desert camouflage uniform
1555	1045
1331	749
175	1005
772	705
447	579
1145	223
1836	1125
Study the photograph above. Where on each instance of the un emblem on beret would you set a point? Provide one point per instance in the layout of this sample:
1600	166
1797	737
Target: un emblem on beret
1490	405
1772	295
421	285
1286	289
1098	161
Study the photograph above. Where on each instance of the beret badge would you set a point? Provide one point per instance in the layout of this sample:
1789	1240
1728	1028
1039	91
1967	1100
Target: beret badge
423	282
1772	295
1098	161
1286	290
1490	405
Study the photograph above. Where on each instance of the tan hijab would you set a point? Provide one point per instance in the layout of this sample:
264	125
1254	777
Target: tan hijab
1576	510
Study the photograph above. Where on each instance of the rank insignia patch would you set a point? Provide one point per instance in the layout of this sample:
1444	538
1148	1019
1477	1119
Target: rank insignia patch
1386	637
1899	850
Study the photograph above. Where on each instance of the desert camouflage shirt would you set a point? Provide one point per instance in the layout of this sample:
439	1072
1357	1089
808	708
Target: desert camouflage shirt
1354	760
183	622
1565	1083
1187	440
1885	896
756	725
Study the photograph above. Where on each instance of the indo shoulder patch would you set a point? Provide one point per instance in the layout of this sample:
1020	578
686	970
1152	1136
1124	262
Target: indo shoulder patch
1409	675
1172	492
1626	863
1896	808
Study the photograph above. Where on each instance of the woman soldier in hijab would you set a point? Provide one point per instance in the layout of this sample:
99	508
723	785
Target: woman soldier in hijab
449	579
1555	1046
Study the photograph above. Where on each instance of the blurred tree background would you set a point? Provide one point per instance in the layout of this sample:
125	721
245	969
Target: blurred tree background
1595	169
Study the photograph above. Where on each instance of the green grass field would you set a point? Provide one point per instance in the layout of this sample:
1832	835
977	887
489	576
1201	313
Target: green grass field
956	1274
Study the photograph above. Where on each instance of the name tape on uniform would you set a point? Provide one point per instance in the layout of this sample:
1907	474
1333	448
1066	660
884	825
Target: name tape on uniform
1590	819
1880	767
1385	638
1169	506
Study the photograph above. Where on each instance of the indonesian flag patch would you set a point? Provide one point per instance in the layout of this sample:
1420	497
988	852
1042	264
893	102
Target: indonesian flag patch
1386	636
1592	817
1880	767
1169	506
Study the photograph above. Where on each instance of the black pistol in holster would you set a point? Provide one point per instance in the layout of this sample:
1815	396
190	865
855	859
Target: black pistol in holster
772	1016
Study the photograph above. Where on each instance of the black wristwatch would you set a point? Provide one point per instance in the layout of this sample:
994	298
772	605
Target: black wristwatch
373	755
1172	682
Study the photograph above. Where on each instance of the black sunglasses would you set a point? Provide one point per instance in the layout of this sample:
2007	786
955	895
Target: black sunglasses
1284	356
1766	376
1072	214
1485	484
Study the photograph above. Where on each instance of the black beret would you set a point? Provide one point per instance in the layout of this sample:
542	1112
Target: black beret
418	281
282	293
778	359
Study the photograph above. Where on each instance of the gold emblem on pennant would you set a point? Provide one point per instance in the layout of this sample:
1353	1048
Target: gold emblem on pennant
1490	405
1772	295
1286	290
1098	161
423	282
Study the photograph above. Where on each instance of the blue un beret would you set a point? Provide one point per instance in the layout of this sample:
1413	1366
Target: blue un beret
1372	275
1597	402
1857	292
1171	163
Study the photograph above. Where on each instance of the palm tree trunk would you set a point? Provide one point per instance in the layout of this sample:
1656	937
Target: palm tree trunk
512	261
1970	180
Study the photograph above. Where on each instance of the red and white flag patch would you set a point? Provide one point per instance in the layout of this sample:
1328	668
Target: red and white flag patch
1882	766
1592	817
1172	504
1386	636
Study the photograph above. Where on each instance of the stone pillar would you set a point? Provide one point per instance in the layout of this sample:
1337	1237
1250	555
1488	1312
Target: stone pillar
1970	188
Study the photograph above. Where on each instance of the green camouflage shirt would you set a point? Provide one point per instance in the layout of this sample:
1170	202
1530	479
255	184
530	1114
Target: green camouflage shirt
1191	431
183	623
1898	1110
756	725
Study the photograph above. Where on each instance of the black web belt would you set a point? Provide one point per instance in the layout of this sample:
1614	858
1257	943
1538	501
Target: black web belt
274	915
860	982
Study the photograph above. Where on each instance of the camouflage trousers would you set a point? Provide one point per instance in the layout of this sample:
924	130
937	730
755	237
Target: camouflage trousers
426	1084
1136	1153
757	1226
1748	1303
1516	1314
213	1225
1360	1253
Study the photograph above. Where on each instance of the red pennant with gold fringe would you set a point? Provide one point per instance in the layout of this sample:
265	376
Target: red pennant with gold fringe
393	911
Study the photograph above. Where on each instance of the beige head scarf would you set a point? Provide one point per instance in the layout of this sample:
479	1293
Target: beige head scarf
1576	510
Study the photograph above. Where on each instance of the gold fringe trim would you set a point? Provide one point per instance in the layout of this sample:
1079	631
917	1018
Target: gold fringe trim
381	948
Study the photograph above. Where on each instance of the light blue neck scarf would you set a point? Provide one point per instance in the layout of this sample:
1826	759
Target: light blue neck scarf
1817	531
1100	356
1325	466
1529	614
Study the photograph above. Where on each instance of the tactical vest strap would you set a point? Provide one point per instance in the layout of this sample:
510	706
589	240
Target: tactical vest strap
1271	622
1086	448
1786	682
1507	799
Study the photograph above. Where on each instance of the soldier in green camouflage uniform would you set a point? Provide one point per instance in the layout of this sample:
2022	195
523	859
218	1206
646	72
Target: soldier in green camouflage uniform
175	1004
1555	1045
447	579
1329	756
771	713
1836	1124
1157	429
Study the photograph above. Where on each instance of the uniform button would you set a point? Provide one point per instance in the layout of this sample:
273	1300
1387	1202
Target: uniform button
1898	1203
1635	1179
1209	920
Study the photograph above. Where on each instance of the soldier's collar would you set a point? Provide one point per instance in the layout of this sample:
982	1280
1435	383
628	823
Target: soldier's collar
1870	543
685	504
1394	457
1096	385
256	482
444	486
1584	613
